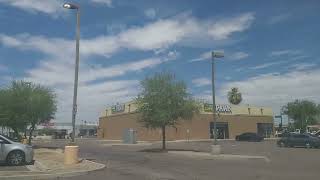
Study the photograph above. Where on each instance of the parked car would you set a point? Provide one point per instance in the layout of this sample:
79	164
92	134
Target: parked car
249	137
317	134
14	153
299	140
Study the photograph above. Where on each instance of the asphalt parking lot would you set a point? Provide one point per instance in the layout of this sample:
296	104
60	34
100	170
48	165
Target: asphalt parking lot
130	162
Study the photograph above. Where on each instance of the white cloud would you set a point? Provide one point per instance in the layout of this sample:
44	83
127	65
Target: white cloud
96	89
237	56
222	29
204	56
51	7
303	66
94	98
50	46
198	82
266	65
276	89
150	13
154	36
206	96
288	52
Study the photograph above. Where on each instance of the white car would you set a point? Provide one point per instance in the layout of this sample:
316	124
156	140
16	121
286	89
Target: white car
14	153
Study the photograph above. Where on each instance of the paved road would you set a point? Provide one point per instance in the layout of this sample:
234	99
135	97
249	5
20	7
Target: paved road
4	167
127	162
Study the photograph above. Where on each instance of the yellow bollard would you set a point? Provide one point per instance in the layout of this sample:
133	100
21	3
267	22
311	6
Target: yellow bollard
71	155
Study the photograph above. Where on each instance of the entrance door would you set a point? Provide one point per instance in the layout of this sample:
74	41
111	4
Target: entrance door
222	130
265	129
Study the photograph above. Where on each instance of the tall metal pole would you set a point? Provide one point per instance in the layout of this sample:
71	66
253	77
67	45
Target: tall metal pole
214	105
76	72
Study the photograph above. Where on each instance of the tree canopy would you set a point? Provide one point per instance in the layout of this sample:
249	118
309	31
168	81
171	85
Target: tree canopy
164	101
24	104
234	96
303	113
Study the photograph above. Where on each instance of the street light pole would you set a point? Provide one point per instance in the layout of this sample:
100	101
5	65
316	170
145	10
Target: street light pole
214	55
214	104
76	70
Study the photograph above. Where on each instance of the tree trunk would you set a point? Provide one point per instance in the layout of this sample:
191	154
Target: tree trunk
30	134
163	137
25	133
16	133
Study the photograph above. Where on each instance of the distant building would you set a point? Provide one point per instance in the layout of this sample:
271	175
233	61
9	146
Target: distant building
63	129
232	120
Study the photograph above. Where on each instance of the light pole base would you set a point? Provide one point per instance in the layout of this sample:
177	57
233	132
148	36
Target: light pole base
71	155
215	149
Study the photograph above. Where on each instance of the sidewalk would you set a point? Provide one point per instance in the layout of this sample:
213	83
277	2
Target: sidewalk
50	164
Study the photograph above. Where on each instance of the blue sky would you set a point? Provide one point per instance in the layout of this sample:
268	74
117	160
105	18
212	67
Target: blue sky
271	48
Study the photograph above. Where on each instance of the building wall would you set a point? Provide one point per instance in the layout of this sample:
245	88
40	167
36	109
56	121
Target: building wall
112	127
235	110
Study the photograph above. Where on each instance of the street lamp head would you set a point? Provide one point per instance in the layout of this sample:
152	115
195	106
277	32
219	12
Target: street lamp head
217	54
70	6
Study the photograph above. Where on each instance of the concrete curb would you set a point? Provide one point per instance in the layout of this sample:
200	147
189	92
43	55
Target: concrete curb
204	155
119	144
37	167
23	175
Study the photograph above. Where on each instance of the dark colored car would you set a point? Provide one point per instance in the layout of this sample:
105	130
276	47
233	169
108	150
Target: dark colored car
299	140
249	137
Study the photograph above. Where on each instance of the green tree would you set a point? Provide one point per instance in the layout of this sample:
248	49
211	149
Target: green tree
42	107
163	102
14	107
302	112
3	118
24	104
234	96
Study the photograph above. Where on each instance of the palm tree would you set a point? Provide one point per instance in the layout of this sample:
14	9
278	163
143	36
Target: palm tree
234	96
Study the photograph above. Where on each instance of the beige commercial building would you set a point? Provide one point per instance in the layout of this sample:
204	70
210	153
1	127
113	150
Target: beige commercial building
231	121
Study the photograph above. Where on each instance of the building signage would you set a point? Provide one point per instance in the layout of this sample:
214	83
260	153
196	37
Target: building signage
219	108
118	108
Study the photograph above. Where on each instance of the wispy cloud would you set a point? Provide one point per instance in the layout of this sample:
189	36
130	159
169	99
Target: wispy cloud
50	7
237	56
279	18
288	52
303	66
198	82
224	28
204	56
150	13
156	35
275	90
266	65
